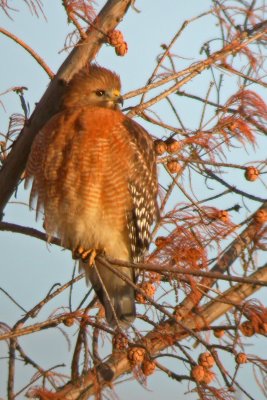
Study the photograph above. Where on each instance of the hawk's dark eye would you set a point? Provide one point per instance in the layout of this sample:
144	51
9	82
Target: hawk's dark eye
100	93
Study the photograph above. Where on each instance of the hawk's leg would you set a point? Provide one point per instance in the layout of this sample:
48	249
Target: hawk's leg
84	255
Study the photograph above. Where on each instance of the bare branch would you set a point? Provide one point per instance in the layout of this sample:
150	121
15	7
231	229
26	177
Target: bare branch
85	51
155	342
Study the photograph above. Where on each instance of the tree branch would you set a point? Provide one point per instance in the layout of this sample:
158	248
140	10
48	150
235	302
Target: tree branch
85	51
29	50
6	226
155	341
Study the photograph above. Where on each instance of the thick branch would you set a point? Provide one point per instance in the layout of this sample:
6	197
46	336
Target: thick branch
156	341
85	51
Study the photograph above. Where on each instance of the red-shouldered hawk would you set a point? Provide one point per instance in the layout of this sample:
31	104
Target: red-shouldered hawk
94	175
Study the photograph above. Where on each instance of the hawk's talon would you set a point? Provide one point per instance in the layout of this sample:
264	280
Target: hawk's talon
92	255
84	255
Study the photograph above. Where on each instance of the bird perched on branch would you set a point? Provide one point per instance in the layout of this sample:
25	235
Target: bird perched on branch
94	175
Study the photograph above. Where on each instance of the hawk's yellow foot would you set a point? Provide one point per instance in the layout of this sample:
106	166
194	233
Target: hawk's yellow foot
84	255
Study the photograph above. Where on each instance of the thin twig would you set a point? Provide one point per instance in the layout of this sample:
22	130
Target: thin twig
29	50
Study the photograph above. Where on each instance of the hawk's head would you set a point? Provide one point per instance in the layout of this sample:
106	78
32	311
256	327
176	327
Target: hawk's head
93	86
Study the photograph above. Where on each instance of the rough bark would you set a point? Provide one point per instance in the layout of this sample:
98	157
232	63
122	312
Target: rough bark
85	51
160	338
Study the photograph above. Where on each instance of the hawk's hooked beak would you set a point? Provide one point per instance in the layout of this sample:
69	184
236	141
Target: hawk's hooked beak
117	97
120	100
